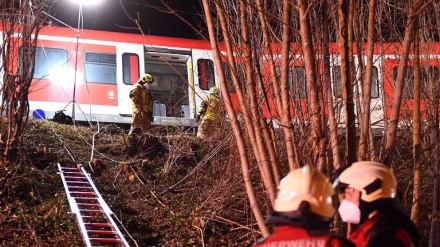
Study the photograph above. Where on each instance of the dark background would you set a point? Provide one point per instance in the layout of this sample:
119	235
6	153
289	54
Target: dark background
154	19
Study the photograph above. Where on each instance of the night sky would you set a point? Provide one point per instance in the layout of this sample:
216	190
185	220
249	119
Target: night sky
109	15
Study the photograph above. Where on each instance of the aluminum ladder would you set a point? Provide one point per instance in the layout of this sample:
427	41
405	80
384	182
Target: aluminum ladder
93	215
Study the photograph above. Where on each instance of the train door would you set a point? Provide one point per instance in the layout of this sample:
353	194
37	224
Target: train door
130	65
377	100
169	92
204	77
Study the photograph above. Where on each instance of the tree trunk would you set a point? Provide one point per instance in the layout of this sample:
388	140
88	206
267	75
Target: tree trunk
347	86
286	119
433	241
417	190
314	107
366	85
275	83
333	125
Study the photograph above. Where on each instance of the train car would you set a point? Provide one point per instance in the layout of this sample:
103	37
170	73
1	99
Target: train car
386	59
88	74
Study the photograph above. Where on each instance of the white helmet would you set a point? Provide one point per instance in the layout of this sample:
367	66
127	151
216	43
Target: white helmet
309	185
373	179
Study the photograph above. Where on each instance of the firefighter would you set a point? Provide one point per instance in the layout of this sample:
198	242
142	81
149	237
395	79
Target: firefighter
303	212
210	111
370	189
142	104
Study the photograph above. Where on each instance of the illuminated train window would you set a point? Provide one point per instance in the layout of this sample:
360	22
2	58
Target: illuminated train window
50	63
100	68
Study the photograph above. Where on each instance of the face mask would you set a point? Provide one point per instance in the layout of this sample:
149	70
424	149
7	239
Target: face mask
349	212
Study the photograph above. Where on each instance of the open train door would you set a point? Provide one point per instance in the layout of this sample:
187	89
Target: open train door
205	77
130	65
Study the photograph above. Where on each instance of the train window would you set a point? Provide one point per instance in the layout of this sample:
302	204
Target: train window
297	81
429	74
206	73
50	63
296	74
130	68
336	76
374	82
100	68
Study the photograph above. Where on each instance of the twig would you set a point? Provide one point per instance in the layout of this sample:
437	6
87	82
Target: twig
31	230
201	234
235	223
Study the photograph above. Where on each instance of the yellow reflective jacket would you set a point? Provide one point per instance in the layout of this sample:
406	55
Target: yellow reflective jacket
211	108
140	94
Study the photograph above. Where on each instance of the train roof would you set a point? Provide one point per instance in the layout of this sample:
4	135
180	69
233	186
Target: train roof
125	37
67	32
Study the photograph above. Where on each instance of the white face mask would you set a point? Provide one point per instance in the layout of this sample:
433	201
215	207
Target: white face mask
349	212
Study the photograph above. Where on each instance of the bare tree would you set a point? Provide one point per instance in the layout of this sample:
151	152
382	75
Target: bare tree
21	24
346	80
366	86
416	126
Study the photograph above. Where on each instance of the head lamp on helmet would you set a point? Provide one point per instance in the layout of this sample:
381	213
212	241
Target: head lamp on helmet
309	185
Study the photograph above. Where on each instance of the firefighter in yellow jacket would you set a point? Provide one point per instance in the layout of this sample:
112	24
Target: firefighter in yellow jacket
210	111
142	104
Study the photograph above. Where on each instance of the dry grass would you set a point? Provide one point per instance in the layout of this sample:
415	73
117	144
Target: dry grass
166	189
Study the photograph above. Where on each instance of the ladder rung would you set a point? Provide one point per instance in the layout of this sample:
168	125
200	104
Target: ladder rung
82	193
85	198
107	240
77	182
75	178
69	168
79	187
91	211
89	204
94	219
80	174
98	224
101	232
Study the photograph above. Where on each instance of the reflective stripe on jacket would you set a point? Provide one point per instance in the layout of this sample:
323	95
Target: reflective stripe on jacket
297	236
